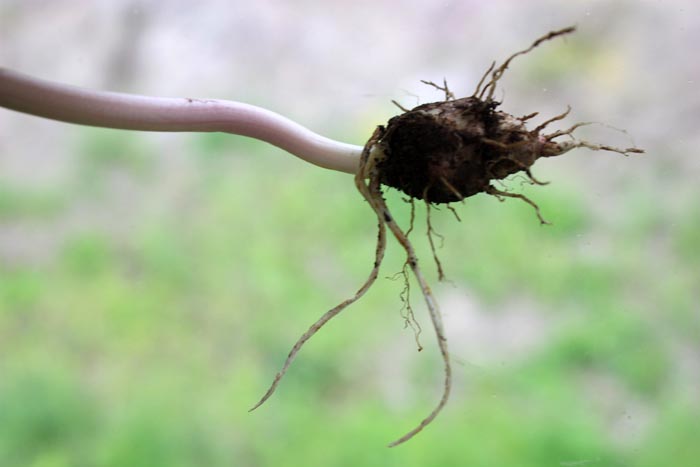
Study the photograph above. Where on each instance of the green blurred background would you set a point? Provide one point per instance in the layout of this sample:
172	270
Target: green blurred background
152	284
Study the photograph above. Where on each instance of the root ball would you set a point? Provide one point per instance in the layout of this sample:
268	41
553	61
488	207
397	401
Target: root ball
447	151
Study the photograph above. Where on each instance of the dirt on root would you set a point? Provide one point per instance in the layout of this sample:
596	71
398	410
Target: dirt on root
447	151
440	153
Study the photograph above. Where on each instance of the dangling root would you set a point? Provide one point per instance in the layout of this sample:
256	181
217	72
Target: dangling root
500	194
432	309
569	145
527	117
477	91
431	232
576	143
379	256
454	211
413	216
376	200
407	310
498	72
533	180
369	180
567	132
543	125
448	94
401	107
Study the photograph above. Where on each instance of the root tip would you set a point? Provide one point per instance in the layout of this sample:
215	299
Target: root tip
260	402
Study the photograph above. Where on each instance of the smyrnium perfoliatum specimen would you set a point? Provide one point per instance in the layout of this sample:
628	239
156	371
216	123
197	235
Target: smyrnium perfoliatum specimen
444	152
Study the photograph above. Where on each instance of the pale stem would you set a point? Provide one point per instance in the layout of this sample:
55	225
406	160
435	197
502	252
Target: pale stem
71	104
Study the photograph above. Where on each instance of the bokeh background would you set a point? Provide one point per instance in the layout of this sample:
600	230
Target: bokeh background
152	284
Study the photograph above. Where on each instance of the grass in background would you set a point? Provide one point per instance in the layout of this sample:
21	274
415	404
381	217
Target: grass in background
142	341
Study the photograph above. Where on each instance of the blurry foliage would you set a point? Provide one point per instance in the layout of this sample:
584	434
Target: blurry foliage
104	150
145	348
45	419
16	203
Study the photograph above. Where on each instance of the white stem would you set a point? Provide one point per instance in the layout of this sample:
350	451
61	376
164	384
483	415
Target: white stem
132	112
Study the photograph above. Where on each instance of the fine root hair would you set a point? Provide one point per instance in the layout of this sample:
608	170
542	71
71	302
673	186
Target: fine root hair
500	194
449	95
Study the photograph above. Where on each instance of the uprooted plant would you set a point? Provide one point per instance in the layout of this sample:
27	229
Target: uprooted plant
438	153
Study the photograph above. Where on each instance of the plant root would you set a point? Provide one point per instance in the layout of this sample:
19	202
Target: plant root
370	168
569	145
449	96
527	117
401	107
432	233
500	194
330	314
406	311
444	152
433	310
454	212
412	218
497	74
543	125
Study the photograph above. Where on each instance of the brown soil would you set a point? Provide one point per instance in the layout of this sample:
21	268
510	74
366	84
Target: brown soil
446	151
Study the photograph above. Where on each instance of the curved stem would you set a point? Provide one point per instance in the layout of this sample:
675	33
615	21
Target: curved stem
132	112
